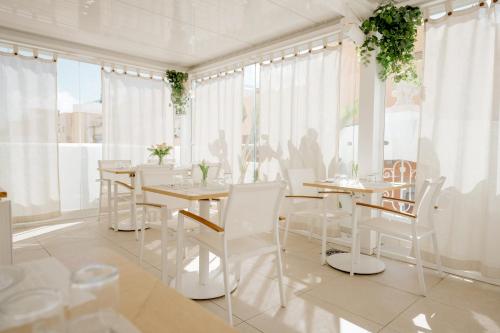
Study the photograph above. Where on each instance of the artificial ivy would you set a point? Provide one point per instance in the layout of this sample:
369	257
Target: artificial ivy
393	31
177	82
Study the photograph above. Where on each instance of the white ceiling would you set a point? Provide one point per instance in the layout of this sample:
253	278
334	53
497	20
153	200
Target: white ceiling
183	33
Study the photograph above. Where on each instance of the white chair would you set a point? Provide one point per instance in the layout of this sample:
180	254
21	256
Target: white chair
165	204
316	202
106	179
249	228
413	230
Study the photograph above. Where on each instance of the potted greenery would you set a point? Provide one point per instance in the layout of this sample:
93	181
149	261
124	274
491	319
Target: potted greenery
392	31
178	96
160	150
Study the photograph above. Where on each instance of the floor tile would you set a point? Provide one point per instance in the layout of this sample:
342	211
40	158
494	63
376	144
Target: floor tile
246	328
368	299
480	298
306	313
428	315
403	276
218	311
254	295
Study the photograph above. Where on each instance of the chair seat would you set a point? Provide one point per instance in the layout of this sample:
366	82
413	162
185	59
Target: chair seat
395	228
237	248
172	224
330	214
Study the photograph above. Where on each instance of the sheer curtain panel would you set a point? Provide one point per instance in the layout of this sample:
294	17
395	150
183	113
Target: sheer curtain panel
460	136
137	113
28	136
217	118
299	114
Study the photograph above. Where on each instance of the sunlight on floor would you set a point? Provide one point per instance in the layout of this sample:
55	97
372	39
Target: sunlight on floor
194	263
23	235
421	321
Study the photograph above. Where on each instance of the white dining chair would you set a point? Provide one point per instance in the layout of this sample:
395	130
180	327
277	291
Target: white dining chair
412	230
105	183
248	229
316	205
166	205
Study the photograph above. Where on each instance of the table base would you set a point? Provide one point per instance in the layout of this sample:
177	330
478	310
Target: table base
214	288
365	265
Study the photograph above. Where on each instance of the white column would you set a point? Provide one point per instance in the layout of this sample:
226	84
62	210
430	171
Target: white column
371	134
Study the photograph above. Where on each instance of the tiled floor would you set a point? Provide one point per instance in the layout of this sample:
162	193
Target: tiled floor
320	299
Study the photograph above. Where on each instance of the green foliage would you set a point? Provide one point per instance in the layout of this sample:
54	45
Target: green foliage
393	31
177	82
204	170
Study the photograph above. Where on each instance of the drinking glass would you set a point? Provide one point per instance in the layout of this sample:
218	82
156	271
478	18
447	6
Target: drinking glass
94	292
34	310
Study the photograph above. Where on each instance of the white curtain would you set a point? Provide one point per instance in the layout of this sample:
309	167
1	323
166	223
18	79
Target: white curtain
460	136
28	136
137	113
299	114
217	118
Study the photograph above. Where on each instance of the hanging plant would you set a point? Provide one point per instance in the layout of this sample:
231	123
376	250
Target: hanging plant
179	96
392	31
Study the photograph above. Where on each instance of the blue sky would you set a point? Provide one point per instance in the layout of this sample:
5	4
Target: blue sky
77	83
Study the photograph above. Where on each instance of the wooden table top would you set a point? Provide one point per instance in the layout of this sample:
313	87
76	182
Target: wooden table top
3	193
145	300
192	193
359	187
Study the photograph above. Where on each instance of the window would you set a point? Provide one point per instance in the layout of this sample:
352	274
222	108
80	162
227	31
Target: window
79	133
402	118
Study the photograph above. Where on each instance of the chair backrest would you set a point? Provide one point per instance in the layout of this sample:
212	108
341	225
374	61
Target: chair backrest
213	172
296	177
252	209
113	164
161	176
427	198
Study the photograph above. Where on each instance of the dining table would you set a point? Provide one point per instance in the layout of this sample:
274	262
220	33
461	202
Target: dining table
359	189
145	304
206	281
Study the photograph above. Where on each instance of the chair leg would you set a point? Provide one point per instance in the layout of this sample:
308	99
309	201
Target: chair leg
354	237
164	239
115	208
100	201
323	239
227	287
180	254
379	244
420	270
437	254
143	231
287	226
280	277
311	225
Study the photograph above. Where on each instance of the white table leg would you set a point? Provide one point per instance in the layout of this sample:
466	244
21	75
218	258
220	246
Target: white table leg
204	253
133	215
110	212
362	264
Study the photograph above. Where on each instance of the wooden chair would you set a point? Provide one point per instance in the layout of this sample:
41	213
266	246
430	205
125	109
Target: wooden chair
317	205
413	230
248	229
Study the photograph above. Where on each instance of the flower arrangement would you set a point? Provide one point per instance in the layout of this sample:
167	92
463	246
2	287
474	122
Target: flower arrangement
161	150
204	171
